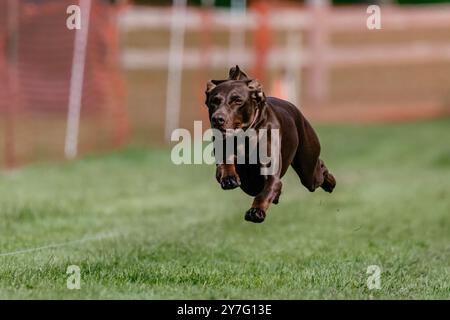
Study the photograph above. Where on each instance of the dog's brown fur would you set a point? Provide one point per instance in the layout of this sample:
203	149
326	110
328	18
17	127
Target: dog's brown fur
239	103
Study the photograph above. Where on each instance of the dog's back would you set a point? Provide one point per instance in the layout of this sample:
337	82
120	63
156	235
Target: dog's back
286	112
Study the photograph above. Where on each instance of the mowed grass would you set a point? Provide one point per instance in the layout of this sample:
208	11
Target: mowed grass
151	230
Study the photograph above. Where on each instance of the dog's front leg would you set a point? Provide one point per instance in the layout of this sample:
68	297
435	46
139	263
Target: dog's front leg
270	193
227	176
271	171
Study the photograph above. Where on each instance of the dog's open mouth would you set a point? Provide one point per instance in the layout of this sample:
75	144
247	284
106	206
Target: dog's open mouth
222	129
226	132
229	132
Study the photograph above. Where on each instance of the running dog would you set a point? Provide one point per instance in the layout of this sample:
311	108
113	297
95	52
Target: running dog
239	103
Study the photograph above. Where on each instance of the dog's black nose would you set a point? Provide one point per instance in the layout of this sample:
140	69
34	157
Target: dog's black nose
218	120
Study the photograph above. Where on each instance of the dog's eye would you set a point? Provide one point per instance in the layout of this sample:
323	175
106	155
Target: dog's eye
237	100
215	101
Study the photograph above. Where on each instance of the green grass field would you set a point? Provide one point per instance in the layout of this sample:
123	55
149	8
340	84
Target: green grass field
140	227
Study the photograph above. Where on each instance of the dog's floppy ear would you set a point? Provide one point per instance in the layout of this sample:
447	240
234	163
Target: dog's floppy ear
256	90
211	84
237	74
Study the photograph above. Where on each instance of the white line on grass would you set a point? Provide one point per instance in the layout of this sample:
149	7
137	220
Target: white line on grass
59	245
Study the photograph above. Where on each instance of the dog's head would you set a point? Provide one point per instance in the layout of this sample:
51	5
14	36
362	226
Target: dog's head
233	103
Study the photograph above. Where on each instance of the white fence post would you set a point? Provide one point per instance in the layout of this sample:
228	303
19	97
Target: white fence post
175	67
76	82
293	66
318	76
237	35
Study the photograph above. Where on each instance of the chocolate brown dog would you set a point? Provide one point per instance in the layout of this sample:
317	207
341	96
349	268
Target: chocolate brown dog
239	103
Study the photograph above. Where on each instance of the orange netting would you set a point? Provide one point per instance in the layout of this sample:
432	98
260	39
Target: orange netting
36	54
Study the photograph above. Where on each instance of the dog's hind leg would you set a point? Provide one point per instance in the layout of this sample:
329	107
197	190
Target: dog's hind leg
309	167
313	175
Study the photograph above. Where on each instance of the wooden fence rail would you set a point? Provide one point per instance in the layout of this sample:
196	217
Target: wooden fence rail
319	22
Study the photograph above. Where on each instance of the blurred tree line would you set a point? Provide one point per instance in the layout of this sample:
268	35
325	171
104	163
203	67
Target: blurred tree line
226	3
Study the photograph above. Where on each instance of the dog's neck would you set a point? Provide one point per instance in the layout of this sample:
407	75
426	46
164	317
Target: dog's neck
261	113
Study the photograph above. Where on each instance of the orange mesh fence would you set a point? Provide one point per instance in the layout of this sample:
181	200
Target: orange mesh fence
36	55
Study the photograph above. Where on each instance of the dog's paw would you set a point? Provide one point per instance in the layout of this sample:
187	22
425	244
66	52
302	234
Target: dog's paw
255	215
230	182
329	183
